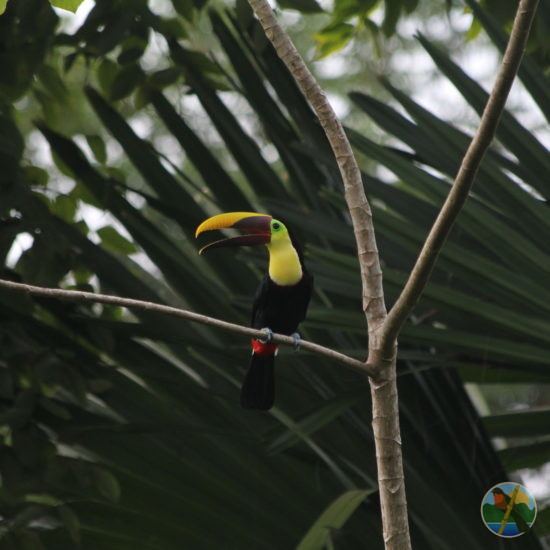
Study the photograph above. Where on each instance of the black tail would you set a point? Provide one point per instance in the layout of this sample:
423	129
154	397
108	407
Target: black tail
258	390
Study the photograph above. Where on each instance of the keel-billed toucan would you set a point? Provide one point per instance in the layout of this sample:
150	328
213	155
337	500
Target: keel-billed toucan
281	300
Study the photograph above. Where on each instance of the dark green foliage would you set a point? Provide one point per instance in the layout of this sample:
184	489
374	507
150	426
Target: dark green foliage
26	31
124	430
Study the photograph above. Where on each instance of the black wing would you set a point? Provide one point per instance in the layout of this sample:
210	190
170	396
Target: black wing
281	308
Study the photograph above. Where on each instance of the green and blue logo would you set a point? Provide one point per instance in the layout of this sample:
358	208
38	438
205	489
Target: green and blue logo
508	509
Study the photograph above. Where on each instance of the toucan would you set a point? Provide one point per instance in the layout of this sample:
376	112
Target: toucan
281	300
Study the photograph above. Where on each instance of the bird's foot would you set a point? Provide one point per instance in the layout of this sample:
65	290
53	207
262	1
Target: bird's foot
268	336
297	341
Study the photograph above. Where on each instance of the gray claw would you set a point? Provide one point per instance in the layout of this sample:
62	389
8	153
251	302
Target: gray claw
268	336
297	341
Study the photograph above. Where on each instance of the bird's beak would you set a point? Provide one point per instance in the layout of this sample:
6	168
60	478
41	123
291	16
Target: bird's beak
258	224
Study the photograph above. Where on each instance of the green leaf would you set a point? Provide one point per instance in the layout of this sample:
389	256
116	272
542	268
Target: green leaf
327	412
474	30
107	484
6	384
523	374
522	424
542	525
71	522
97	145
114	241
146	160
512	352
531	153
201	62
303	171
334	517
244	149
27	540
48	104
81	275
11	148
332	38
208	165
531	455
345	9
64	206
45	499
304	6
106	73
171	28
27	31
178	269
19	303
142	97
535	80
36	176
132	49
165	77
69	5
82	193
185	8
53	83
125	82
55	408
410	5
392	11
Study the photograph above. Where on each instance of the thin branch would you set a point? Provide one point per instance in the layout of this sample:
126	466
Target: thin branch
466	175
371	273
385	404
130	303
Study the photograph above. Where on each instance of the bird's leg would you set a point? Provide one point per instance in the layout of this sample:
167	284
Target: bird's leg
268	336
297	341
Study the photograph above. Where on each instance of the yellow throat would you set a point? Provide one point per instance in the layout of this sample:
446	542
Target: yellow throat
284	264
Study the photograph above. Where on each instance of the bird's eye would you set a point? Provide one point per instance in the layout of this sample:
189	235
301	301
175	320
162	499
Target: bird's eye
276	226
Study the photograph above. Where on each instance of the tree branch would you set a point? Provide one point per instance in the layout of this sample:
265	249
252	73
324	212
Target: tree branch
385	404
465	178
383	328
79	296
371	273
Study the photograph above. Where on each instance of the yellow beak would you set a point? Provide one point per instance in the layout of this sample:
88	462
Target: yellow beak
259	224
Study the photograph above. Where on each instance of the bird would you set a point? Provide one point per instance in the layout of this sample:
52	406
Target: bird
281	301
501	502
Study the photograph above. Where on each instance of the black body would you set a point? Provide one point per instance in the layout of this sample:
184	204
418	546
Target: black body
280	308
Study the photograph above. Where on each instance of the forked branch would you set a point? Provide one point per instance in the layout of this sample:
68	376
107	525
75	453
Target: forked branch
383	328
385	407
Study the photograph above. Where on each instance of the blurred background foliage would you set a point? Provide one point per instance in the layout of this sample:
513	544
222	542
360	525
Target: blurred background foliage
124	128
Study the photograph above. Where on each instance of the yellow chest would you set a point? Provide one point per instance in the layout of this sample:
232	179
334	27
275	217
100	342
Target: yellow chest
284	264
